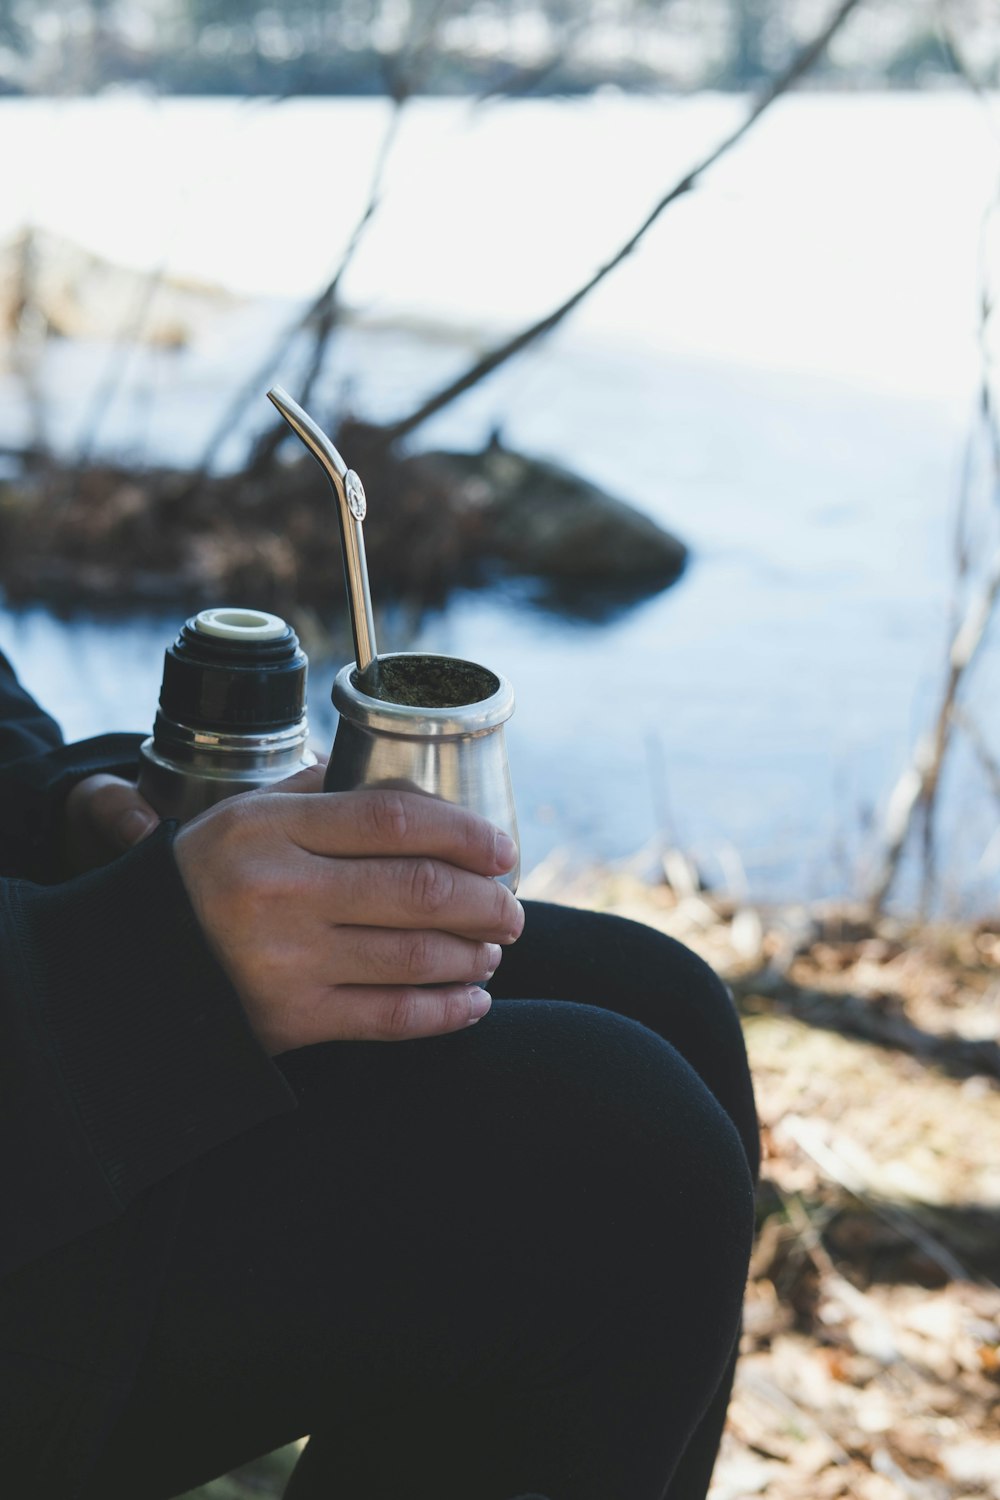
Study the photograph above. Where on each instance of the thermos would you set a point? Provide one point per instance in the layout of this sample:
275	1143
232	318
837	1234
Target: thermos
232	714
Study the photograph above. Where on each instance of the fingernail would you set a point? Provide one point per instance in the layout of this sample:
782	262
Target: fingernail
494	953
479	1004
134	825
505	851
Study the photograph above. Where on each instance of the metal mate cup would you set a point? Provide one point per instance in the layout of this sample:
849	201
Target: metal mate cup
232	712
431	724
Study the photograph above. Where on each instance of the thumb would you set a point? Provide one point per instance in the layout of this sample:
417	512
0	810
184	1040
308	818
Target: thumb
134	822
117	813
309	780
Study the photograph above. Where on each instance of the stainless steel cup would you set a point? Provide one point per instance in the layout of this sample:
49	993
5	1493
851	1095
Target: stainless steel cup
436	727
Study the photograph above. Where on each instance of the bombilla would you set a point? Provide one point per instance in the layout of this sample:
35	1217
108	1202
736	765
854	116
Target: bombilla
351	508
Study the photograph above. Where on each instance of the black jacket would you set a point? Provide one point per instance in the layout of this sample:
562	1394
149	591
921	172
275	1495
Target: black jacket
124	1055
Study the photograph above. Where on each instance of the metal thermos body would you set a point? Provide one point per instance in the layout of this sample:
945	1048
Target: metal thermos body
232	712
443	746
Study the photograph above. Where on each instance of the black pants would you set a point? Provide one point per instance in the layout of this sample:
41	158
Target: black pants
505	1261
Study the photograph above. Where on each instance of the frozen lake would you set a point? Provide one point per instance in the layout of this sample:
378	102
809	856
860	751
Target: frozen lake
785	374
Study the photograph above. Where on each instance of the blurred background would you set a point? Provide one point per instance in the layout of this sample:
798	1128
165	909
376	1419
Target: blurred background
662	334
786	375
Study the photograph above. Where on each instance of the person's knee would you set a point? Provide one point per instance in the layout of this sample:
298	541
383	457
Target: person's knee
627	1119
697	1010
591	956
613	962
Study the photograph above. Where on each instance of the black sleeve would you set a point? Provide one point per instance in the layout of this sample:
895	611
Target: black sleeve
25	729
124	1051
36	772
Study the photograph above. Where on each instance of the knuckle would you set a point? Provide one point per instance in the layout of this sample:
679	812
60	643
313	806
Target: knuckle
229	858
383	962
106	796
266	883
431	886
263	893
478	839
419	958
237	823
485	838
402	1014
387	817
251	904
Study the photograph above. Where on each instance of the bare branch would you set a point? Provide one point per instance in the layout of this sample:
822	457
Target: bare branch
844	1163
987	760
29	332
799	66
120	358
321	316
919	782
123	350
520	79
916	791
320	313
404	73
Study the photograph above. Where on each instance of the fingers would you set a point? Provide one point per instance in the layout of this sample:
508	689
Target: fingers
382	956
355	915
426	894
366	1013
110	810
379	821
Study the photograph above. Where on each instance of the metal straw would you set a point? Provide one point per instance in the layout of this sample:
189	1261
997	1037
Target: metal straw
351	508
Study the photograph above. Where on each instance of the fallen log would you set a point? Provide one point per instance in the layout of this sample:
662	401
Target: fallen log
109	535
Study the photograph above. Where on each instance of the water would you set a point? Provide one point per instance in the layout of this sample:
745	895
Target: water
784	374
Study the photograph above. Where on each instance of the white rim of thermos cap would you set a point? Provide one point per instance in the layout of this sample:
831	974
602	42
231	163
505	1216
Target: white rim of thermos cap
229	623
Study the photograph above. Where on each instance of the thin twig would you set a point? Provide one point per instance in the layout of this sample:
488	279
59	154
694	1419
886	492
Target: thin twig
321	316
870	1312
799	66
122	353
28	344
987	426
123	348
918	783
319	309
404	74
834	1162
917	789
520	79
989	764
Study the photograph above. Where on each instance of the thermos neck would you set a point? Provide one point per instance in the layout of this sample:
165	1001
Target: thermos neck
194	749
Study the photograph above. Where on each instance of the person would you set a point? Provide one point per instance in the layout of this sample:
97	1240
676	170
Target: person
287	1150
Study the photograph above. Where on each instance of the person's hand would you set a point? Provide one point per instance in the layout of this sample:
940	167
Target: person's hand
104	816
364	915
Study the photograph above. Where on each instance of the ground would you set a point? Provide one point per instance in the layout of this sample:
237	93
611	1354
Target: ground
871	1350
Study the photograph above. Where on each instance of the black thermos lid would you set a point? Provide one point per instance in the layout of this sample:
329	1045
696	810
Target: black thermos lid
234	670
